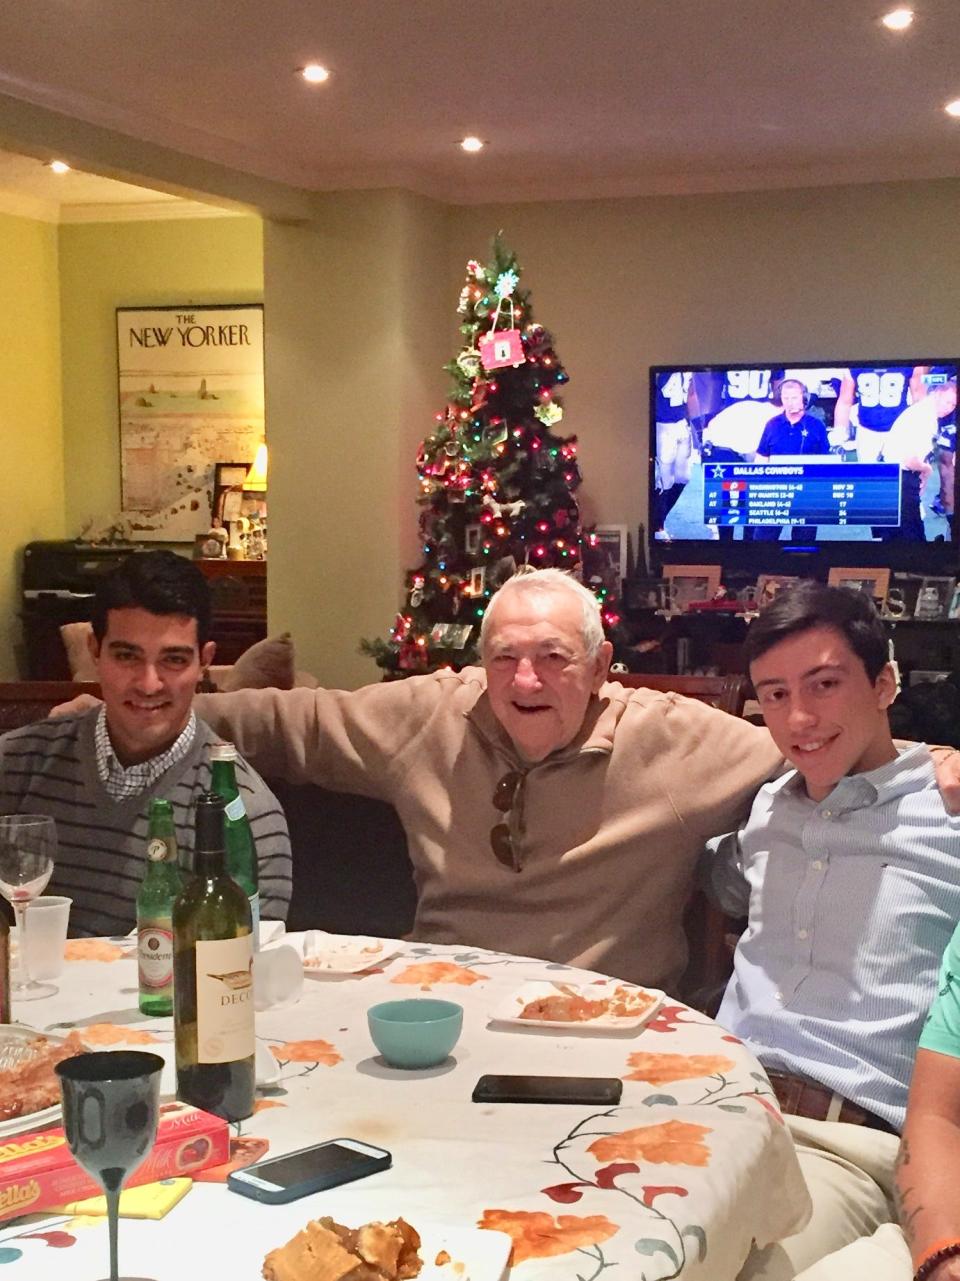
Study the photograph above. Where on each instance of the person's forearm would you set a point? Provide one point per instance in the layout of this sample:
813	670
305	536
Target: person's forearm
927	1189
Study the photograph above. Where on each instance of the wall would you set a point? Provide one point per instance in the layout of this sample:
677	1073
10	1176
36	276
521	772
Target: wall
30	420
354	309
108	265
871	271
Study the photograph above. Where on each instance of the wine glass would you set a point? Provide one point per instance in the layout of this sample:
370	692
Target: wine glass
28	845
111	1102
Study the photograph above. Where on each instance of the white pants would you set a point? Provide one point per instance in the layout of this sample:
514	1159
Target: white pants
882	1257
849	1172
674	453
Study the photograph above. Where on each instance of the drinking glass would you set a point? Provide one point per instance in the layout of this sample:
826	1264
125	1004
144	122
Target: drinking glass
111	1101
28	845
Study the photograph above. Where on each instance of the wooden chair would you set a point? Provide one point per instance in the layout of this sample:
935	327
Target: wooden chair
22	702
712	934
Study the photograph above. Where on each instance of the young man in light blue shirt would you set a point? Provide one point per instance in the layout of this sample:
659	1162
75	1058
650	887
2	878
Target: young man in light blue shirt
848	870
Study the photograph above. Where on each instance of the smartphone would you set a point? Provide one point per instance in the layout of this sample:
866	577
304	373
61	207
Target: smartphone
323	1165
548	1089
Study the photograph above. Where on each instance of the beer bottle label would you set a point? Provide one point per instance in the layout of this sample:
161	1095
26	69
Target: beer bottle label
155	955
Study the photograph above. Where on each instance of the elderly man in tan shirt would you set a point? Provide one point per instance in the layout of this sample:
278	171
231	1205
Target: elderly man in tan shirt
547	811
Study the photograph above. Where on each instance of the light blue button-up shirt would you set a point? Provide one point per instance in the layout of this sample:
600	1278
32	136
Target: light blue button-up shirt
851	902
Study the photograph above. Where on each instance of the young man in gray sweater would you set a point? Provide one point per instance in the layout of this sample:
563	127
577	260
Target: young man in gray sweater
96	772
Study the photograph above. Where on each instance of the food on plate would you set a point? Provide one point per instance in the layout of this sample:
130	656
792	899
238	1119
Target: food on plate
327	1251
568	1006
31	1084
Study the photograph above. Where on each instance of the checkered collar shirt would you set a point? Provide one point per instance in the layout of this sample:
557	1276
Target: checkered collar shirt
123	782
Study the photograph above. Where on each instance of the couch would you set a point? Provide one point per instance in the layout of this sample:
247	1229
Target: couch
351	870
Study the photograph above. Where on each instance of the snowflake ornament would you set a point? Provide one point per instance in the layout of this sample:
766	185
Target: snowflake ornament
507	282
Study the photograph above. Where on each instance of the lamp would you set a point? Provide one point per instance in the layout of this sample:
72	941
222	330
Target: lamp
257	475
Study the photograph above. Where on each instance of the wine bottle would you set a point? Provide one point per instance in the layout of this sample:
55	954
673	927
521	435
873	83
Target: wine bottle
162	882
213	978
241	850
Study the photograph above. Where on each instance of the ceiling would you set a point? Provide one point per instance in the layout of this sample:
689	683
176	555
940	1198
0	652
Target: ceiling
30	188
576	98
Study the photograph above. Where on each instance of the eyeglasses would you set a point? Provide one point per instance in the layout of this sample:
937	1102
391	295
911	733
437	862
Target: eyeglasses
506	795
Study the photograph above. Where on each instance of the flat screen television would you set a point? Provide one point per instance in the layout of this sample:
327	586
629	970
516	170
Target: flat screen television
764	467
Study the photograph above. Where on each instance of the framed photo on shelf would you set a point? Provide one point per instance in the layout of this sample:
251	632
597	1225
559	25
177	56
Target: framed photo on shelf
768	585
934	598
228	481
645	593
872	581
605	556
690	583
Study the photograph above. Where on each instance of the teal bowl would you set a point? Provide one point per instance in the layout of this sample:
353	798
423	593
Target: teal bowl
417	1033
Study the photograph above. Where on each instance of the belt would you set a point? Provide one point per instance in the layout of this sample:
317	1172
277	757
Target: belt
800	1096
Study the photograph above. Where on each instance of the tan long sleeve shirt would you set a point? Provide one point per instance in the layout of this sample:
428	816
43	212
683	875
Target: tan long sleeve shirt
608	831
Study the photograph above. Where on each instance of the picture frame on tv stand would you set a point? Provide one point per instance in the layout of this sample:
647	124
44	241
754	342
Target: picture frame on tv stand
875	582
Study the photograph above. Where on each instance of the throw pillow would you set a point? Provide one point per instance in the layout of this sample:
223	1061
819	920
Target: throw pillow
266	665
76	643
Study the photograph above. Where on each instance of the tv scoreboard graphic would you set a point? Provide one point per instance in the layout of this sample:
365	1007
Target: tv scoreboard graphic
801	494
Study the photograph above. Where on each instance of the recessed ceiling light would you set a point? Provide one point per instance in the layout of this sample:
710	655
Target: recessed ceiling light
471	143
953	108
59	166
314	73
897	19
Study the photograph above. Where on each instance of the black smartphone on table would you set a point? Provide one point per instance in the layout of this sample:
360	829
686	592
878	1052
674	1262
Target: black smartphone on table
311	1169
599	1090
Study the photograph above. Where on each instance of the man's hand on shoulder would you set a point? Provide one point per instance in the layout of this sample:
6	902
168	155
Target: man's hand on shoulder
946	763
83	703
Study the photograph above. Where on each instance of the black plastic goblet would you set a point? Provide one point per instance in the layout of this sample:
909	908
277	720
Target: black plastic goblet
111	1101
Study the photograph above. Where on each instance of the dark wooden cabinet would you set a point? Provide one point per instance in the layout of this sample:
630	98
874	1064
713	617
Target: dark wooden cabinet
239	591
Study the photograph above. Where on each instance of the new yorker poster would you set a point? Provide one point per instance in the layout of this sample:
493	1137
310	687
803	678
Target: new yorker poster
191	395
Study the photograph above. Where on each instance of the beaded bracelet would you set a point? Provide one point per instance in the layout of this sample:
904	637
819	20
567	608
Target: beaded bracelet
933	1261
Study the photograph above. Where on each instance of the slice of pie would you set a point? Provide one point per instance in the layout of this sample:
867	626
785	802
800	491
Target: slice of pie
327	1251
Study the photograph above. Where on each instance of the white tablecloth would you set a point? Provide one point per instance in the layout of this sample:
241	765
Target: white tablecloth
679	1180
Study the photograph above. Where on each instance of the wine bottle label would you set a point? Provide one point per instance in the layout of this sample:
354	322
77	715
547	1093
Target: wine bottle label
235	809
155	955
224	999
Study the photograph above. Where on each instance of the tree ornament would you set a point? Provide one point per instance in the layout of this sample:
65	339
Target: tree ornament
476	270
549	413
507	282
500	348
464	304
468	362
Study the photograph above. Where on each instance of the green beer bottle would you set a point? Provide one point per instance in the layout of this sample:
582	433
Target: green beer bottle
241	852
160	886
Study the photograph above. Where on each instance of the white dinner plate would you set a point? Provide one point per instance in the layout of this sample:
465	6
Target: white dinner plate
15	1042
325	953
648	1002
475	1254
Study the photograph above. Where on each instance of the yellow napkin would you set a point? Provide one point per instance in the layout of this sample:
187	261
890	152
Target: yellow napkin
151	1201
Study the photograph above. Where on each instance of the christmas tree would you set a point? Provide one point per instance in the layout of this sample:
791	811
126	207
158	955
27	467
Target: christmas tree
496	482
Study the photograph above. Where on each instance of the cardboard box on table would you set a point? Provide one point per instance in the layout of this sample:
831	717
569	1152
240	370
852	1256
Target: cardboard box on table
38	1170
